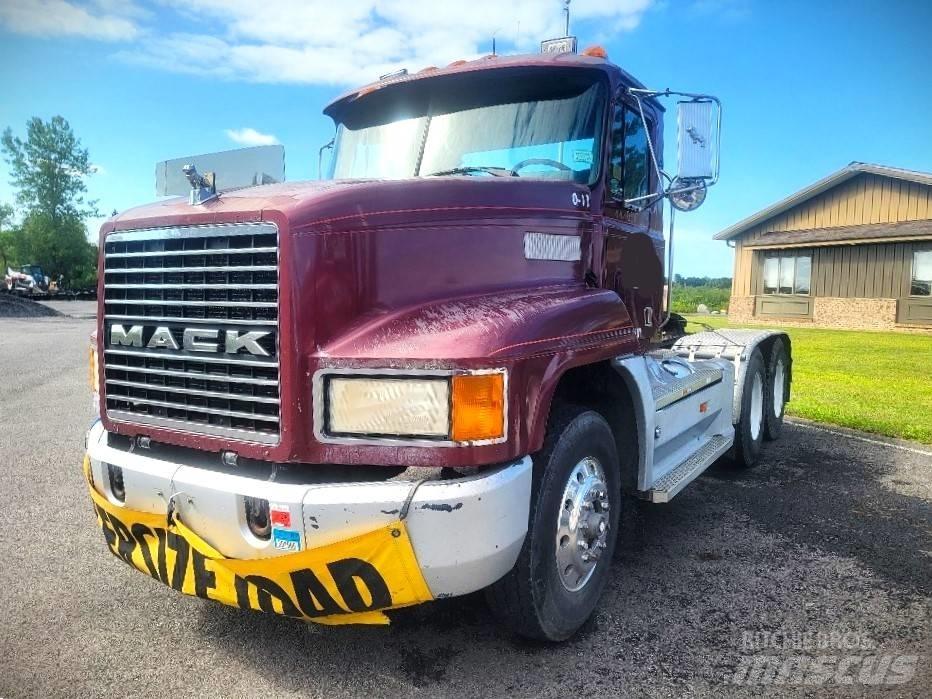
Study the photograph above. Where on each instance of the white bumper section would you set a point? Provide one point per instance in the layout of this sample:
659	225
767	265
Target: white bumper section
466	532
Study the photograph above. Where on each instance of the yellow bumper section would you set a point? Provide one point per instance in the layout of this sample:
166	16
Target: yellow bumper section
347	582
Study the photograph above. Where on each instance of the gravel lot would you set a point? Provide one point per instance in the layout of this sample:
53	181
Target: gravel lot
826	544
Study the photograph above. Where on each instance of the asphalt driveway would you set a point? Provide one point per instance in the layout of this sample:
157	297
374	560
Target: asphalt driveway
749	582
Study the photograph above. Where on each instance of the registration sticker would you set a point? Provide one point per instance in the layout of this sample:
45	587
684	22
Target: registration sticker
286	539
281	515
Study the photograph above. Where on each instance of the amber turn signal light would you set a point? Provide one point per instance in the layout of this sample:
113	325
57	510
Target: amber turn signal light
92	369
478	407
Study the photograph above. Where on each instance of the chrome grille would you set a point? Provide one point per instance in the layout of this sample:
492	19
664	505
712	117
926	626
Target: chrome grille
212	281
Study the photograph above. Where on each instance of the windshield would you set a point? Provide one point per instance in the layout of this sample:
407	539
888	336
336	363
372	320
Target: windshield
523	126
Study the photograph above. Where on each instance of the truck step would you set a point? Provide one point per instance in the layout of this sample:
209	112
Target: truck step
682	475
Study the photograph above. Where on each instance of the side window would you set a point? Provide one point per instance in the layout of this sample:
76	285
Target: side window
629	166
921	282
787	274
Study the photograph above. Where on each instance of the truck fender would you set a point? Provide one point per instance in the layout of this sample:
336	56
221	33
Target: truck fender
633	371
735	346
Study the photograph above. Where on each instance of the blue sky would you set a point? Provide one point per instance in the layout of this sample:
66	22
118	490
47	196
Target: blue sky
807	86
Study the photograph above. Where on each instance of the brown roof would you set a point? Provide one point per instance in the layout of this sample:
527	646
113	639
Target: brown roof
849	234
826	183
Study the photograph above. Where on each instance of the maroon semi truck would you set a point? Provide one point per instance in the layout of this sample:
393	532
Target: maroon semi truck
442	368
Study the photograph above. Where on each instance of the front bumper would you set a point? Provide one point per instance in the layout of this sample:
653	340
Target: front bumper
466	532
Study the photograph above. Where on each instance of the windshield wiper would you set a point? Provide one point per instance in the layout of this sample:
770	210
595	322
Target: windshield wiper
469	169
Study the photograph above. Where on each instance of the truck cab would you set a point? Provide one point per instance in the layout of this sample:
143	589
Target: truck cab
459	337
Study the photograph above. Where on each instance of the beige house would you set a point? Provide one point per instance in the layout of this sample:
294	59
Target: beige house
853	250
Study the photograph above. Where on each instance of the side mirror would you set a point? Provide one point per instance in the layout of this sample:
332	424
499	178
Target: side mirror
696	142
699	126
698	129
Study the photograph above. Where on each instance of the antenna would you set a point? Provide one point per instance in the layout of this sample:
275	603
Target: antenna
566	11
493	44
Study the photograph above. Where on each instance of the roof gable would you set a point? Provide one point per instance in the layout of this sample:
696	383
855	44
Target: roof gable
814	190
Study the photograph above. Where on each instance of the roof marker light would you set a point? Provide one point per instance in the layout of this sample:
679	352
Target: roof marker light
595	52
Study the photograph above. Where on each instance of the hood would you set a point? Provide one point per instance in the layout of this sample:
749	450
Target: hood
348	204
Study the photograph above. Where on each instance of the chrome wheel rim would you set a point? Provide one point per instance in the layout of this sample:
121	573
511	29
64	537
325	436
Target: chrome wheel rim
779	382
583	524
757	405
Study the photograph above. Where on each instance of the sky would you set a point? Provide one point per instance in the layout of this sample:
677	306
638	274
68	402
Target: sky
807	87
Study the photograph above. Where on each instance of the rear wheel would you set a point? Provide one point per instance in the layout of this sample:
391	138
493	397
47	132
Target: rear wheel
749	432
775	400
575	503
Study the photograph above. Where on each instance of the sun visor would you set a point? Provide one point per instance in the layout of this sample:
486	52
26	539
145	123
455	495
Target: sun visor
234	169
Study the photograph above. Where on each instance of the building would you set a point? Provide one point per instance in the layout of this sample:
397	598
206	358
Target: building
853	250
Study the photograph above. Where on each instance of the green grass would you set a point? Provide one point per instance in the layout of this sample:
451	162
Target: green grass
686	298
873	381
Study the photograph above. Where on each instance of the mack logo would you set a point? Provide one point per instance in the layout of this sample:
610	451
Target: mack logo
192	339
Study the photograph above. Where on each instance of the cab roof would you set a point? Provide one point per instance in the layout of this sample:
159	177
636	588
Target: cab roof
543	61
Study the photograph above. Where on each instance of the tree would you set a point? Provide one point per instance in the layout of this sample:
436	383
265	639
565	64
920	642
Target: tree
61	249
7	237
48	170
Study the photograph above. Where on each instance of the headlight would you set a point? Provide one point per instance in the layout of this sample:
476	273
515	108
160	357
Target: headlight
398	407
458	408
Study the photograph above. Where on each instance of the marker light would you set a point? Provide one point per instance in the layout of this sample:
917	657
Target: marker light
92	375
595	52
478	407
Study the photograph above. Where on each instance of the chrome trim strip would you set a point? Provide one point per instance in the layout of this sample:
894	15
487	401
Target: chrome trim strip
169	319
187	427
159	270
193	375
319	401
162	253
193	408
193	392
192	358
208	231
224	304
190	286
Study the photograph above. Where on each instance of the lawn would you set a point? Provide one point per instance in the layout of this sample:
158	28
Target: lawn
873	381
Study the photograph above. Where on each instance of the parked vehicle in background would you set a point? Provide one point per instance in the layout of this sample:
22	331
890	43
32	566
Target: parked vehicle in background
30	280
437	371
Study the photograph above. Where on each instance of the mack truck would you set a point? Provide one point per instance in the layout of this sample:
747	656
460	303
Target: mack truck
444	367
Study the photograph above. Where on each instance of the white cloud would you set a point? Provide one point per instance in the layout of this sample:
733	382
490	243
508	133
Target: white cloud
250	137
313	41
104	20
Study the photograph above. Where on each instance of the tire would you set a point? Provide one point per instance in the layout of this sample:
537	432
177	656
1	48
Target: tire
749	432
551	591
775	399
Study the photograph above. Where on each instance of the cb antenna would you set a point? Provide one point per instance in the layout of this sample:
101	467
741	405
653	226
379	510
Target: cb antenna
566	13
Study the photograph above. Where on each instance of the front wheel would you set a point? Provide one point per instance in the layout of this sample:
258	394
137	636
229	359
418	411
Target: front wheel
575	502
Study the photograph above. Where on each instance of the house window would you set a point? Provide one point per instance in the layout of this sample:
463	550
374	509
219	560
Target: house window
921	284
630	157
787	274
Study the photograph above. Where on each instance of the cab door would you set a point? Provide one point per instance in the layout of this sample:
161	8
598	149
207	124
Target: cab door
633	254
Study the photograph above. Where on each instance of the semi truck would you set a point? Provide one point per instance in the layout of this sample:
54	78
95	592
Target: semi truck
444	367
